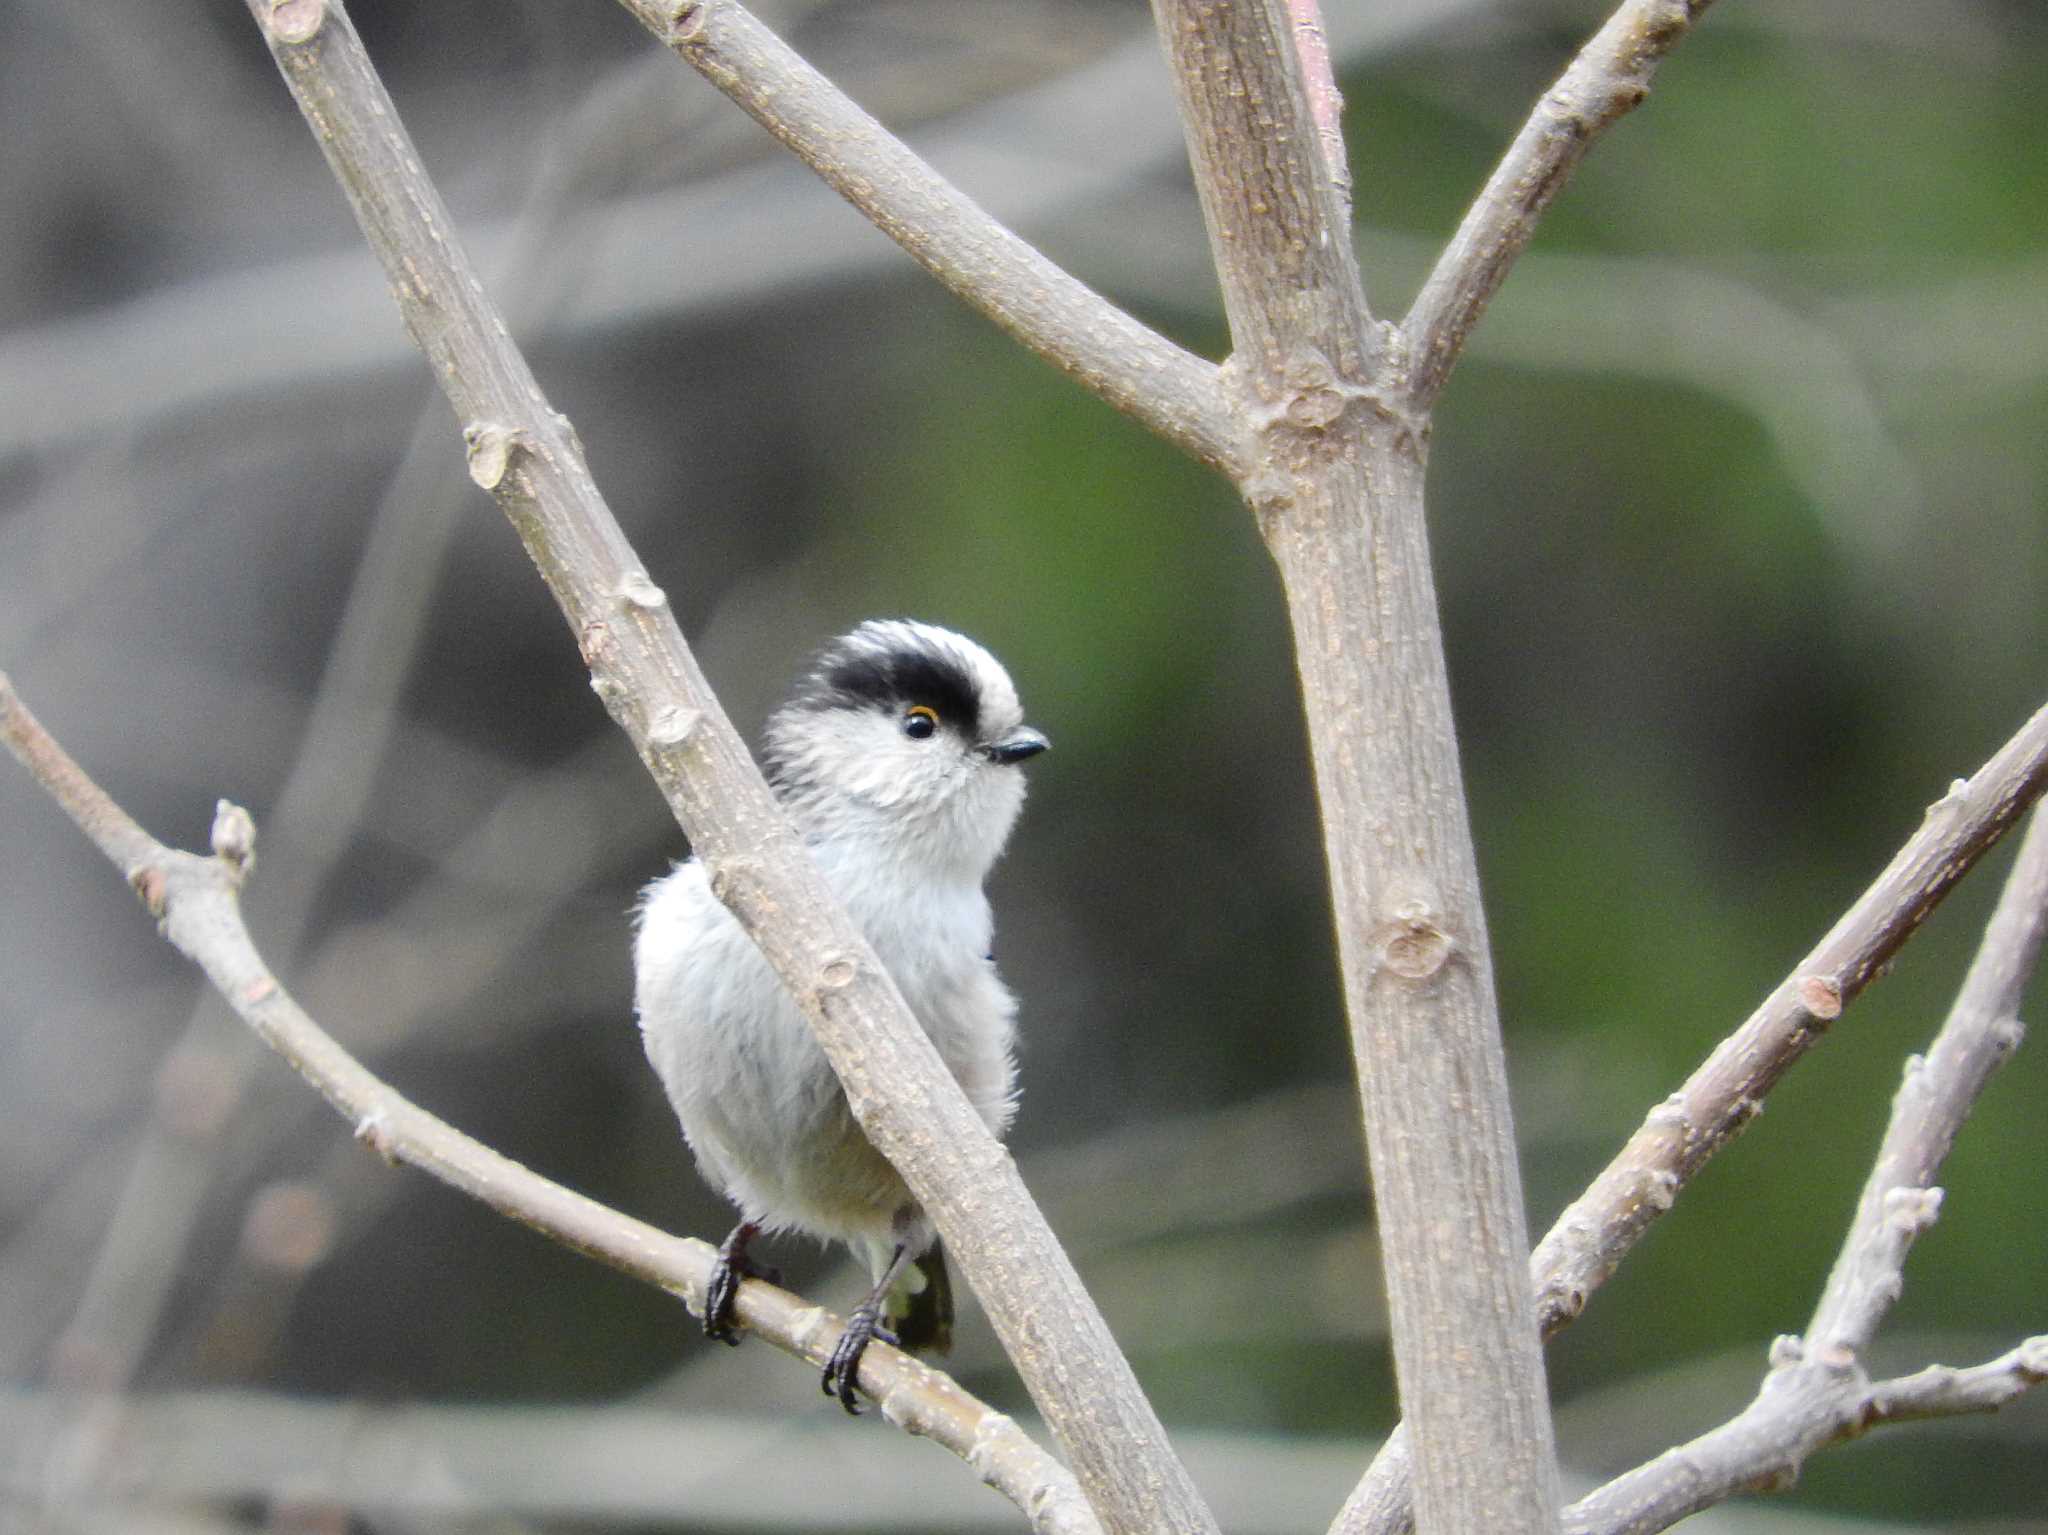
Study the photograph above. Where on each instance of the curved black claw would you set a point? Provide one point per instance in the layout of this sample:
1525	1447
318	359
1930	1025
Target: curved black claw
722	1293
842	1370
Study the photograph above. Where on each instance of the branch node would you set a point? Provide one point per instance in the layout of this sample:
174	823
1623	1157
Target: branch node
837	973
490	451
151	884
672	727
1413	945
1912	1210
374	1131
1269	495
636	590
1837	1357
1660	1188
234	840
1308	398
2006	1035
1670	1120
1952	802
736	883
1316	396
1778	1478
1821	995
295	21
989	1436
686	20
1787	1350
569	433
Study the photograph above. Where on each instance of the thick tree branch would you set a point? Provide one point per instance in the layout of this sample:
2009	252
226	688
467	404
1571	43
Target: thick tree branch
1278	231
1049	310
1325	102
528	457
197	904
1610	77
1589	1240
1337	490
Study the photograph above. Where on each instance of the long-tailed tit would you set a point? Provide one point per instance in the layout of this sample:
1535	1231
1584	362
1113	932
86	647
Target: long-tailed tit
898	761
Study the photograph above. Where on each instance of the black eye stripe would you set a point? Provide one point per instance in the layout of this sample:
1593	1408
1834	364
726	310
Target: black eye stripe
894	680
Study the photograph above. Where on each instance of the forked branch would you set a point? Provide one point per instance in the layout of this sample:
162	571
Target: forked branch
1337	488
197	904
1804	1407
1034	300
1983	1029
1818	1391
899	1089
1588	1242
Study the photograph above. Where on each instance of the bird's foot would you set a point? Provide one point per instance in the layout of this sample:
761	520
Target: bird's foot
721	1296
842	1370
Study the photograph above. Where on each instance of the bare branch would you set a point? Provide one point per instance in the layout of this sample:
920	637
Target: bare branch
1817	1391
196	902
1610	77
1325	102
1337	490
1589	1240
1981	1033
1048	310
1279	234
1806	1404
1727	1091
1943	1391
528	457
112	830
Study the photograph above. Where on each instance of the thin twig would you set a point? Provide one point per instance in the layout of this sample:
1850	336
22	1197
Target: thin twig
196	902
1610	77
1805	1405
1943	1391
1590	1238
1817	1391
1982	1031
1593	1235
899	1089
1047	309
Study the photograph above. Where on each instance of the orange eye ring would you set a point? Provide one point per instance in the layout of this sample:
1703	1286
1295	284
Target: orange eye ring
919	722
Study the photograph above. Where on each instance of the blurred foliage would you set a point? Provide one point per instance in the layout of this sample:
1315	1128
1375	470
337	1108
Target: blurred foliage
1705	686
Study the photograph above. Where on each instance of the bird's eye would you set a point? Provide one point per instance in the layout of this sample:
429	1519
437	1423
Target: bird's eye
919	722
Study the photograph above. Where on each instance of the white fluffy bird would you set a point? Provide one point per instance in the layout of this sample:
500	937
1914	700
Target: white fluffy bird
897	758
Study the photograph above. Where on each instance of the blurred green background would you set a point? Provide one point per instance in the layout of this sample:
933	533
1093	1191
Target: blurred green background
1738	512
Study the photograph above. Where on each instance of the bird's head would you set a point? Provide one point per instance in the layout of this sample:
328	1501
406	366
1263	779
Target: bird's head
908	735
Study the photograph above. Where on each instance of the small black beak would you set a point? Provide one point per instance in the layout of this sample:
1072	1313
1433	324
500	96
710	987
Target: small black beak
1025	743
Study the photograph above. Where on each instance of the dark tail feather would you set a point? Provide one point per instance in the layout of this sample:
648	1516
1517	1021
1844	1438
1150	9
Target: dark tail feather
925	1324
